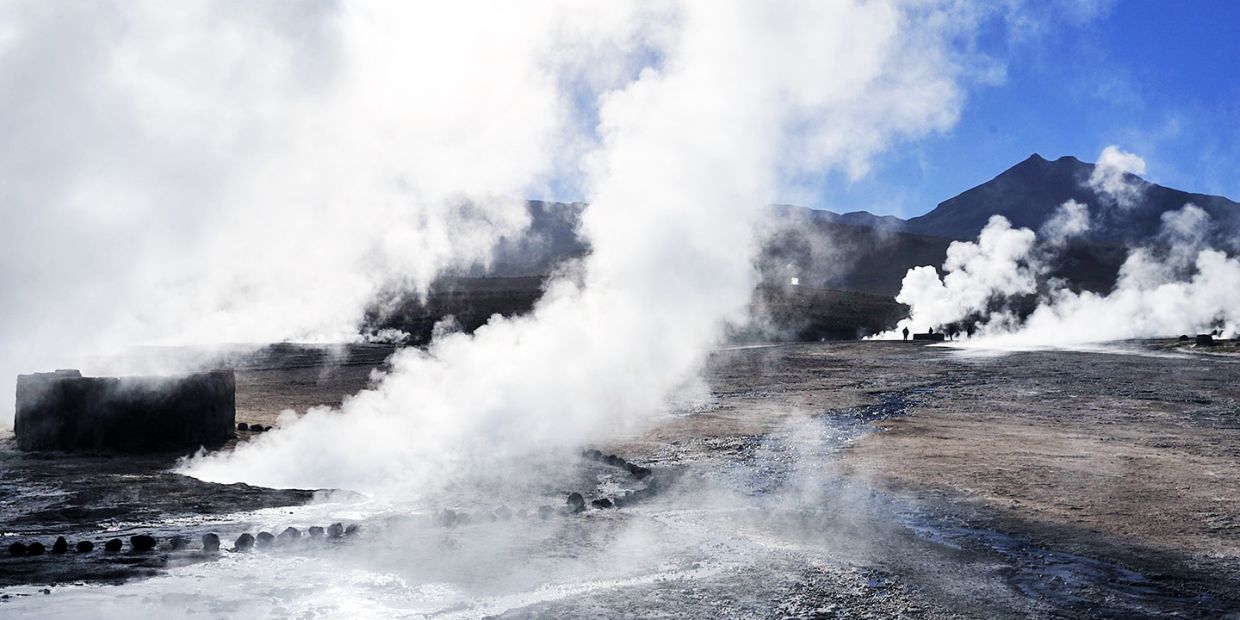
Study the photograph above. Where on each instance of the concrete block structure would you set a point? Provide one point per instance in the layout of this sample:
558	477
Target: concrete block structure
63	410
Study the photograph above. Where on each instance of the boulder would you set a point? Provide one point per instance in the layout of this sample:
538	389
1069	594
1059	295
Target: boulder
265	539
142	543
245	542
637	471
602	504
335	530
60	546
18	549
576	503
290	534
35	548
242	426
315	531
352	529
210	543
1205	340
176	543
85	546
257	428
113	545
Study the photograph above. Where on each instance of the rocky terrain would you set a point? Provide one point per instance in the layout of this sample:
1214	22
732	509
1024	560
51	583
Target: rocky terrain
864	479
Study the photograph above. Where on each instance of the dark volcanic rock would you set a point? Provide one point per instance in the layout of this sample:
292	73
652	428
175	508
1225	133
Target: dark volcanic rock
85	546
244	543
142	542
602	504
65	411
335	530
35	548
1205	340
60	546
113	545
576	503
242	426
315	531
257	428
265	539
638	471
289	534
178	542
210	543
352	529
18	549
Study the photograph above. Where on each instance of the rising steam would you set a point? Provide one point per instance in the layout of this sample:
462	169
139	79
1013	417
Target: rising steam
742	96
1175	285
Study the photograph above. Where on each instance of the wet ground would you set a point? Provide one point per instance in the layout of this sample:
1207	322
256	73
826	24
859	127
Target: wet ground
866	479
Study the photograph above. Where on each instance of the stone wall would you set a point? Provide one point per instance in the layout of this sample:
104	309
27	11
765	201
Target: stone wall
63	410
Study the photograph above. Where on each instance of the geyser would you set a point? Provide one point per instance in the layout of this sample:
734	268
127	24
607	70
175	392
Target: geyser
729	102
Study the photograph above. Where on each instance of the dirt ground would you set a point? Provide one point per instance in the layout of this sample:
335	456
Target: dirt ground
876	479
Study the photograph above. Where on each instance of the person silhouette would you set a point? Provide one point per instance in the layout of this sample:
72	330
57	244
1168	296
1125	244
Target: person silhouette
906	333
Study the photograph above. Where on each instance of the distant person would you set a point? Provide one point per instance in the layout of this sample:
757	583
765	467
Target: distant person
969	330
906	333
929	330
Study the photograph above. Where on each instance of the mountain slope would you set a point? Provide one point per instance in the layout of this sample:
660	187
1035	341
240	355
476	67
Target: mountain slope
1029	192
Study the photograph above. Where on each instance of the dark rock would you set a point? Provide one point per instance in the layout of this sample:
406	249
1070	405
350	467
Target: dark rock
352	529
178	542
142	542
113	545
638	471
315	531
593	454
35	548
18	550
85	546
244	543
265	539
66	411
210	543
257	428
576	503
60	546
614	461
242	426
602	504
335	530
289	534
1205	340
1183	338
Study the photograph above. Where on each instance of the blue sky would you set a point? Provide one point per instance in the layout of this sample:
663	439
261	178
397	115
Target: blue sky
1157	78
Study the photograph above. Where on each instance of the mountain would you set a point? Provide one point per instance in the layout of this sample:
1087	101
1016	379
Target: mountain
847	267
1029	192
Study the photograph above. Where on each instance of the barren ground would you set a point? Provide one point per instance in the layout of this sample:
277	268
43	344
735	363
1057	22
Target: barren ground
871	479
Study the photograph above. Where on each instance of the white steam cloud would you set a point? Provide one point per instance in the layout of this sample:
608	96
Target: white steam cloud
1070	219
1176	285
254	172
999	265
1113	177
746	95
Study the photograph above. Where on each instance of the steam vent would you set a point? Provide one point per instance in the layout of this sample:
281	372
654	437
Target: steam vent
63	410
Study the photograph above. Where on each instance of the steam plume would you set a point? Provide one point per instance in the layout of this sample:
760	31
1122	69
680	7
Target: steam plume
745	95
1175	285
